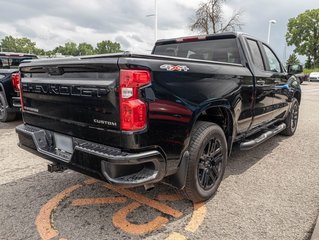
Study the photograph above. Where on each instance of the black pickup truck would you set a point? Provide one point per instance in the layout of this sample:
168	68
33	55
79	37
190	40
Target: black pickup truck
171	116
9	84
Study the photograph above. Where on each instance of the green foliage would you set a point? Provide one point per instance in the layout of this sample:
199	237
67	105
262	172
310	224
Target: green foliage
308	71
107	47
21	45
85	49
25	45
293	60
72	49
303	32
308	63
69	49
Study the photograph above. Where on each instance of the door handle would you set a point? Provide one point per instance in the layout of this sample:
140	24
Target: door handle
261	82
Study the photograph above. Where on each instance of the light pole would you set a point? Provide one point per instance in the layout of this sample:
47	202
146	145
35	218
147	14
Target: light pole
269	28
155	16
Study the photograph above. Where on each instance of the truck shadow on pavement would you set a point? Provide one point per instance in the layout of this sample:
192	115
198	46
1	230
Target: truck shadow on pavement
240	161
10	125
73	206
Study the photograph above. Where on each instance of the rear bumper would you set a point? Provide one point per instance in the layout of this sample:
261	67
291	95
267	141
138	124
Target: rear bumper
100	161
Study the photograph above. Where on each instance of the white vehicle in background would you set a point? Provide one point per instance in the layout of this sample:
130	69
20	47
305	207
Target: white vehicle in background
314	76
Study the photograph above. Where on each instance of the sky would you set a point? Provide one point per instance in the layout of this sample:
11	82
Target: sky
53	22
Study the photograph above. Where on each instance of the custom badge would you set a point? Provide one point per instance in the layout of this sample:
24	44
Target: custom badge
175	68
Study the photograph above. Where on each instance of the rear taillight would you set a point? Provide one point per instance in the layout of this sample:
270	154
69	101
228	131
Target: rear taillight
133	111
21	100
16	81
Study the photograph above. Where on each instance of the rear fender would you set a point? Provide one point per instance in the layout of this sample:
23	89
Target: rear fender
229	124
178	179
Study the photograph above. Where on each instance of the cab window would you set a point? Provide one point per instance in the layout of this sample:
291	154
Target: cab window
256	54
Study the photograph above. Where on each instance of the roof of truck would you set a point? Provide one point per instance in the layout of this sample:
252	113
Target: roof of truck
201	37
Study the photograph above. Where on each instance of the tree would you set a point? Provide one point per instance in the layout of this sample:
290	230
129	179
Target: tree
107	47
25	45
21	45
308	63
303	32
69	49
85	49
209	18
293	60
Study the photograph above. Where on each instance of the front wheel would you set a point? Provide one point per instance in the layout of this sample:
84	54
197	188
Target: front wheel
292	119
207	162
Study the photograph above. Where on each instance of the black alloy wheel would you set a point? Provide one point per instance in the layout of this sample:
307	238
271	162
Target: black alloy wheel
207	161
210	164
5	116
292	119
2	108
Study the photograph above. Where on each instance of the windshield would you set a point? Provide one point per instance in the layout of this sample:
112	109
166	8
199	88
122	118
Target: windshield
11	62
220	50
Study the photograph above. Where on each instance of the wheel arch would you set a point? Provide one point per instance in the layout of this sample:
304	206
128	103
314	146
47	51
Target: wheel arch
219	113
222	115
297	95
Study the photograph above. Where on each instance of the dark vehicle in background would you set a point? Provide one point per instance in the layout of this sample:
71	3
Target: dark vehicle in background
9	84
299	75
172	116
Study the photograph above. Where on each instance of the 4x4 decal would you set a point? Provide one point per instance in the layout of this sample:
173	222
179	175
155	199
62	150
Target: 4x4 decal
175	68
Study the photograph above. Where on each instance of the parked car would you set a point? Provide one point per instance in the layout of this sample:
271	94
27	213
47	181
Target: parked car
314	76
172	116
9	84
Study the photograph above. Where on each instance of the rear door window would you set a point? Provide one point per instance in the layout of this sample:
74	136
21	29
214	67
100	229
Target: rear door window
256	54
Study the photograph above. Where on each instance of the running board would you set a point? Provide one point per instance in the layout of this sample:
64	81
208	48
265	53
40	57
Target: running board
262	138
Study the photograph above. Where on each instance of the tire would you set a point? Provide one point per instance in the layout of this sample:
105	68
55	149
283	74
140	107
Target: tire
207	161
292	119
5	116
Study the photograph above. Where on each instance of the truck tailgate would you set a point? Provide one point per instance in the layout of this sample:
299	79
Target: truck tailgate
76	97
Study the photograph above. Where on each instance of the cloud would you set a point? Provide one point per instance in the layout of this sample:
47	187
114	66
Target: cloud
257	14
123	41
52	23
136	38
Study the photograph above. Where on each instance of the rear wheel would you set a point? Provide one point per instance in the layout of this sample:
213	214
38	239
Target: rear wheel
292	119
5	116
207	163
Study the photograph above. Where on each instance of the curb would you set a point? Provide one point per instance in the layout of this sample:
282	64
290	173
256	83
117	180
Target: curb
315	234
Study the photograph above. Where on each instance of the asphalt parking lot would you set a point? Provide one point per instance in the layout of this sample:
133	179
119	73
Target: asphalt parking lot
271	192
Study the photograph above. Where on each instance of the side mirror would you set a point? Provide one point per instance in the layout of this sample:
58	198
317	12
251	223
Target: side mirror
295	69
